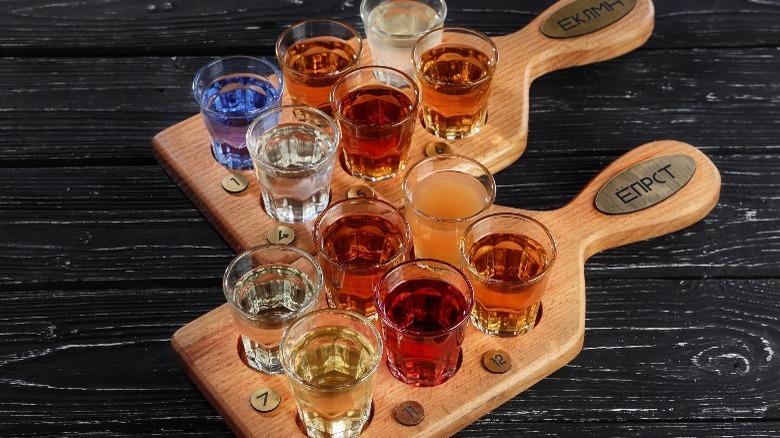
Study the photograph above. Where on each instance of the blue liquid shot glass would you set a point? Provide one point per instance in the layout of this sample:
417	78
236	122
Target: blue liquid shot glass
232	92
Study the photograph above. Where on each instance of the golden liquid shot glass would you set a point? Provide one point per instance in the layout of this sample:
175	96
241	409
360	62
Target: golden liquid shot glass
508	258
267	287
313	55
454	67
376	108
444	194
358	241
331	357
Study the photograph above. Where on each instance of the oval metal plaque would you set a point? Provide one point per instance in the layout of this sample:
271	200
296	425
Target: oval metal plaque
585	16
645	184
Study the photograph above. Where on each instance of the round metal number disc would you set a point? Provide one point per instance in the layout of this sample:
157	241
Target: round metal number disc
410	413
265	399
281	235
235	182
497	361
437	148
360	192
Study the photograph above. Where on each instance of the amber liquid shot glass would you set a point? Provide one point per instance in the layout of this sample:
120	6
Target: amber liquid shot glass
508	258
375	108
358	241
454	67
268	287
444	194
313	55
331	357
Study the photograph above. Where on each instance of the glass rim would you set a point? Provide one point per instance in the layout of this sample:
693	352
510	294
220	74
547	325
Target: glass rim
488	75
537	278
352	64
412	113
312	166
384	319
318	284
257	111
409	202
401	250
365	13
375	362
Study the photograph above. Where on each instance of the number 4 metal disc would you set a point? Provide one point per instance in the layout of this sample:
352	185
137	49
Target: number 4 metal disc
281	235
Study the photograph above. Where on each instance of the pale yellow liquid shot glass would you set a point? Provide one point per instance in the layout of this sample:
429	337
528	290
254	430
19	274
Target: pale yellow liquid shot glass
331	357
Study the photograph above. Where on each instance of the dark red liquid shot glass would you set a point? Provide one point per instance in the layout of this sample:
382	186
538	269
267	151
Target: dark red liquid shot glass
423	308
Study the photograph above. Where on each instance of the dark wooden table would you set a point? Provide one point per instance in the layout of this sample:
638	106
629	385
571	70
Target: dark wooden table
102	257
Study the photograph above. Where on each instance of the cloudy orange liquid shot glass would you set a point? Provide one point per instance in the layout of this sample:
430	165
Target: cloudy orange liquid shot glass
444	194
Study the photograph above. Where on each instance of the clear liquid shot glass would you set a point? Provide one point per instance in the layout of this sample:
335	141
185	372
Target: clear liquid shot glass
294	150
267	288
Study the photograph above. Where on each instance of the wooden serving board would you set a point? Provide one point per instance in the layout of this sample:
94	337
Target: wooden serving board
207	347
184	149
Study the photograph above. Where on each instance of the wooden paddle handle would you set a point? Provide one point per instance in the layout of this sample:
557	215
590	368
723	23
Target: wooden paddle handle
542	54
596	231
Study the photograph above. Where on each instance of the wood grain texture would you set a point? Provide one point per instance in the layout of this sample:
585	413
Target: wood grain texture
117	28
697	357
130	223
694	96
102	257
206	351
524	56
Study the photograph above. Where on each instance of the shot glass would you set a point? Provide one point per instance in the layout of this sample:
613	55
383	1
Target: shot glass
444	194
423	306
313	55
375	108
454	67
268	287
358	241
294	150
393	26
231	92
331	357
508	258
